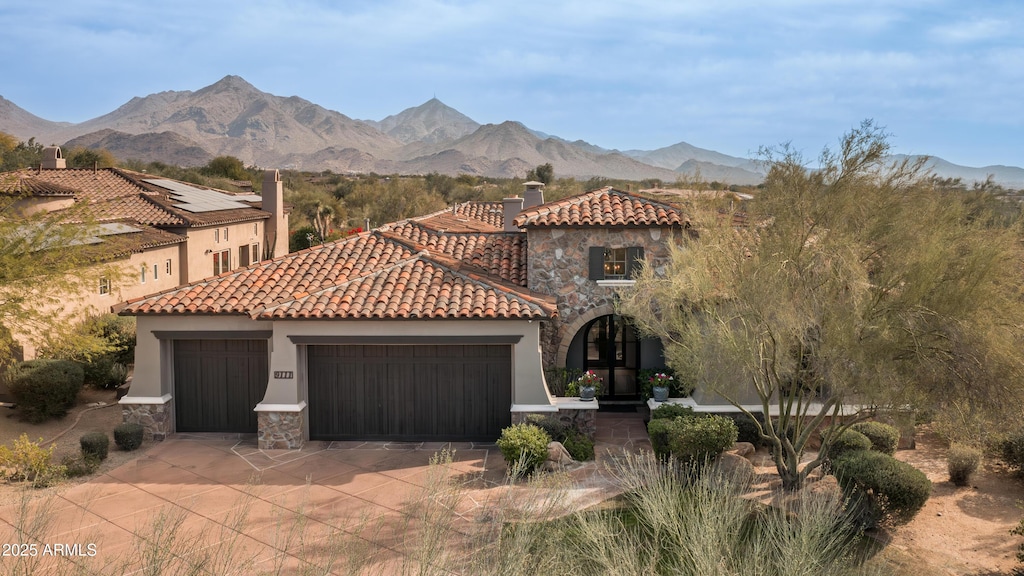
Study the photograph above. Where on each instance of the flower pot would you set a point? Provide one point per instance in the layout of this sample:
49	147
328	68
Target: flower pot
660	393
587	393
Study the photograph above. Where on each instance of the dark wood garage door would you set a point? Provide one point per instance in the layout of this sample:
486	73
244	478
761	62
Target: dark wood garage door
217	383
409	392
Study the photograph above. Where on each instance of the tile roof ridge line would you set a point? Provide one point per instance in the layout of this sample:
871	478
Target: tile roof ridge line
439	257
478	275
257	312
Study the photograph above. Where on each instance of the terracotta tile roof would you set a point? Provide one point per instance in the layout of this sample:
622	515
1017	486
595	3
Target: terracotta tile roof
137	208
364	276
121	245
88	184
20	183
467	217
501	254
604	207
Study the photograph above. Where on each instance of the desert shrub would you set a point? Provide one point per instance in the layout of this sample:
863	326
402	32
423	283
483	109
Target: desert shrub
845	442
963	461
99	343
45	389
671	412
524	446
26	460
884	438
700	439
128	436
1012	449
746	429
882	489
579	446
551	425
658	430
81	465
95	444
558	379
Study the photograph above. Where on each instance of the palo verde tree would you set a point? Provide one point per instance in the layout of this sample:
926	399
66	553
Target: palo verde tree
855	284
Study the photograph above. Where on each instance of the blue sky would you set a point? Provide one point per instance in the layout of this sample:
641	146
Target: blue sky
945	77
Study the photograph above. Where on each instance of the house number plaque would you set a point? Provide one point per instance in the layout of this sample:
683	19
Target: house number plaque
284	374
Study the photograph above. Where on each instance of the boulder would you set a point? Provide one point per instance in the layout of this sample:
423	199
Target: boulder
743	449
558	458
735	468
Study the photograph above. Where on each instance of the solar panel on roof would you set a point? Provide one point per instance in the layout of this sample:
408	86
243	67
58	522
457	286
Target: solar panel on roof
197	199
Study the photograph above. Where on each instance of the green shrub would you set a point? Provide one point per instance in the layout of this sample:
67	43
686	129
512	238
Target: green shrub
524	446
26	460
963	461
699	439
676	387
558	379
551	425
1012	450
658	430
95	444
45	389
847	441
883	490
884	438
579	446
128	436
81	465
671	412
98	344
746	429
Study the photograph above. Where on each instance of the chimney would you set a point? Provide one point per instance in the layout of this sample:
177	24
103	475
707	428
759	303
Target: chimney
534	194
511	208
52	159
276	229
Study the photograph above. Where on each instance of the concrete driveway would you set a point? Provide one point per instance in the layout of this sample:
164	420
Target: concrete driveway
221	499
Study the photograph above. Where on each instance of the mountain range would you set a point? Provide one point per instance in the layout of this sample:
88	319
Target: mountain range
232	117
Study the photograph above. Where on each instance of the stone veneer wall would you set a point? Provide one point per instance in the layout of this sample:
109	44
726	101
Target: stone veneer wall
155	419
558	265
583	420
280	430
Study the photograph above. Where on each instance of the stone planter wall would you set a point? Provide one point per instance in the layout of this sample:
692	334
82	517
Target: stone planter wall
280	430
155	419
584	420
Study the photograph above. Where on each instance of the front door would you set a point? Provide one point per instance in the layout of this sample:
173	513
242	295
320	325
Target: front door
612	351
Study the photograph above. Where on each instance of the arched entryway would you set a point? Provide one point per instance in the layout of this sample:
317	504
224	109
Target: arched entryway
610	346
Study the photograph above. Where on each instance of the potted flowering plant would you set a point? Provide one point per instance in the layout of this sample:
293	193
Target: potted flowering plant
586	386
660	384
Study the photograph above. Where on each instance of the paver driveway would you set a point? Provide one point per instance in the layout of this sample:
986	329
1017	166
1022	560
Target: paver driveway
268	510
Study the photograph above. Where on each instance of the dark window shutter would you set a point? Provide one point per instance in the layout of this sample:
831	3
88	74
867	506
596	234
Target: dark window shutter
634	257
597	262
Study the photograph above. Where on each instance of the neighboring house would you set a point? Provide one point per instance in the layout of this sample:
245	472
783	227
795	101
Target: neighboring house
155	233
432	328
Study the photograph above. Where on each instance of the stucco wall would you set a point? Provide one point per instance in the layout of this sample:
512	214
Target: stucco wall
153	381
558	265
199	263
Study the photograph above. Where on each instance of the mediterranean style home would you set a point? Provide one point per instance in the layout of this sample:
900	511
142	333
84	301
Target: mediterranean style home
433	328
153	234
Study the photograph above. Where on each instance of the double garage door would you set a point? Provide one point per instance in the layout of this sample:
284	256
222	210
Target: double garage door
409	392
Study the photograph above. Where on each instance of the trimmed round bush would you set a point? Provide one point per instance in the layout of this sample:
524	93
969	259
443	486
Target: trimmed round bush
700	439
847	441
578	446
672	411
524	446
883	489
81	465
884	438
963	461
658	430
128	436
746	429
95	444
1012	450
45	388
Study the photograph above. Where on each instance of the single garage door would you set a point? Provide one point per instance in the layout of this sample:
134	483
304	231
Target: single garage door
409	392
217	383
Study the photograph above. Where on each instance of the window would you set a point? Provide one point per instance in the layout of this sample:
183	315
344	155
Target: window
256	229
142	278
225	234
614	263
216	235
221	262
104	285
243	255
156	271
256	253
167	267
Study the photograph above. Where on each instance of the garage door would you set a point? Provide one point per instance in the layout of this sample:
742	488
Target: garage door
409	392
217	383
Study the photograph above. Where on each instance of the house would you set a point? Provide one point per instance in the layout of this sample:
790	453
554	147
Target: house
432	328
153	233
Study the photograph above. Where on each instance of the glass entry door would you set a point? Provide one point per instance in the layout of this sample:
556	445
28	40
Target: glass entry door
612	351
